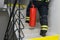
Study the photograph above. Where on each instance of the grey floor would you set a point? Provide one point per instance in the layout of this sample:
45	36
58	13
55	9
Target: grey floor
3	23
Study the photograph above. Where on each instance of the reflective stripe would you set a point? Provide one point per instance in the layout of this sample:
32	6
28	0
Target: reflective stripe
17	5
44	29
44	26
27	17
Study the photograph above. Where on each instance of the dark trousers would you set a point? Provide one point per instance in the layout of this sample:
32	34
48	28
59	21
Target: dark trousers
43	11
43	14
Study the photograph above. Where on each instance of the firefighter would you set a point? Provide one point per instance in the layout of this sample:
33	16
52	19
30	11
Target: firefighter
42	6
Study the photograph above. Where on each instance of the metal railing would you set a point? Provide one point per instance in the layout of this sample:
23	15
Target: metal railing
10	32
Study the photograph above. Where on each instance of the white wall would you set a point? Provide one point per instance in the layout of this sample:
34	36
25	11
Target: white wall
54	16
1	3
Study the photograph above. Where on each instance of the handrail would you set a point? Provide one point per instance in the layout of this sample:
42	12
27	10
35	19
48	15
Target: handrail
11	14
12	23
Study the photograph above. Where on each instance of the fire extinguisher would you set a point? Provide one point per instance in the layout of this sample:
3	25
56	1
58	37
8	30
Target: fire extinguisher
33	11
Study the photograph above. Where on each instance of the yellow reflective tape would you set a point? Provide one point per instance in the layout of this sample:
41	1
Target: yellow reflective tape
17	5
44	26
27	17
